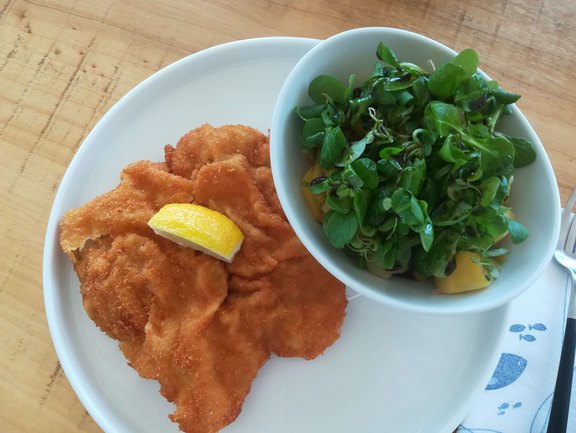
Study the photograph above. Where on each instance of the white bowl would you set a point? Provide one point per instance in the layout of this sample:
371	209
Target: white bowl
535	198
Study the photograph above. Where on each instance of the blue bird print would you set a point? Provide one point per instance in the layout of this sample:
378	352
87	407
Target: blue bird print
510	367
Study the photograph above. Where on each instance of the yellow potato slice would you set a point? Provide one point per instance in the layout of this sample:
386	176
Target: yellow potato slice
314	202
469	275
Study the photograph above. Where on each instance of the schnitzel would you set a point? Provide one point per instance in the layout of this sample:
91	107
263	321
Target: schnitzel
199	326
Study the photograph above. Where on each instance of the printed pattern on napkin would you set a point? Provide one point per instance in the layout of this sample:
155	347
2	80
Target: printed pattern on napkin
518	397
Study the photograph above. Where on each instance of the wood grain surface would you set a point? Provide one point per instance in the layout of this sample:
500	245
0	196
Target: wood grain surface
64	63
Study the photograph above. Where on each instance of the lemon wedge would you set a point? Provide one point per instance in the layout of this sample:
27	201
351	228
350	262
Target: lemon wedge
199	228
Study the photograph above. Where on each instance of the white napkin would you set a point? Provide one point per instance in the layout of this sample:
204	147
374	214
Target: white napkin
518	397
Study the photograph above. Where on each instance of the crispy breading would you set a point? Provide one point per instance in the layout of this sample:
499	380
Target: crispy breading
207	144
200	327
144	188
272	258
228	187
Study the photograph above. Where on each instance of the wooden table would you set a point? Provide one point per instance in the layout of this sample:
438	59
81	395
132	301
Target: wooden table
63	63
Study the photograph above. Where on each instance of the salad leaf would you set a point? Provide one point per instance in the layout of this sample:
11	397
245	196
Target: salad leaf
524	153
326	86
518	232
444	118
415	169
387	55
312	134
445	80
467	60
333	144
340	228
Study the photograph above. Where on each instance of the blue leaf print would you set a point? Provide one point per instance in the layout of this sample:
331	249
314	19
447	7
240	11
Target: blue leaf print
517	328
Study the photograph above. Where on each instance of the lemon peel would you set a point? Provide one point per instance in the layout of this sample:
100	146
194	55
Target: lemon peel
200	228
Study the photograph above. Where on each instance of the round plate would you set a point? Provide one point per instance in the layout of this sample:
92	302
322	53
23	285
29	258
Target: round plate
389	372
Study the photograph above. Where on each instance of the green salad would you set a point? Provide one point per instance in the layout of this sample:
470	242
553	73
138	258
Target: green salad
410	174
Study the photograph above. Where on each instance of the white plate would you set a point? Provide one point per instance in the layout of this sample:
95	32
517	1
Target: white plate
389	372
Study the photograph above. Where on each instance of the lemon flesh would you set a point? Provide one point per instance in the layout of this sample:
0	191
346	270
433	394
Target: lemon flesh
200	228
